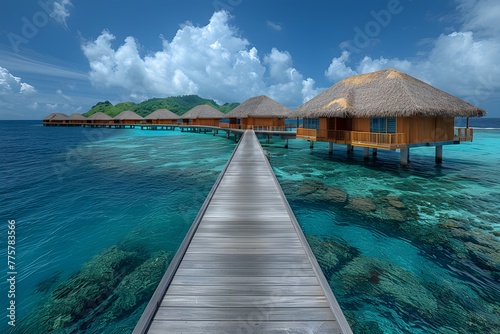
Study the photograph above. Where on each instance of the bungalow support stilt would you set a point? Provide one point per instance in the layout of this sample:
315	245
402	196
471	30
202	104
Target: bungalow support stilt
311	144
439	154
330	147
286	143
366	153
349	148
404	154
374	152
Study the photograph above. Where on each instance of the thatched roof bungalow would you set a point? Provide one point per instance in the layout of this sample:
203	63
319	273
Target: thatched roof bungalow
99	118
161	116
385	109
259	112
77	118
128	117
56	119
46	119
203	115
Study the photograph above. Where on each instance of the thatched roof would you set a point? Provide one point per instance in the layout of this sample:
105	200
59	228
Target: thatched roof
77	117
259	106
49	117
162	114
203	111
99	116
127	115
56	116
387	93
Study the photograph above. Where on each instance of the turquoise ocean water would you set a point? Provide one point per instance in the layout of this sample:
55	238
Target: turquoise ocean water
406	250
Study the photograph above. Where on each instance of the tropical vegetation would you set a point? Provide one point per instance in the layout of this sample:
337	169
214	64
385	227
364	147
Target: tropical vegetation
176	104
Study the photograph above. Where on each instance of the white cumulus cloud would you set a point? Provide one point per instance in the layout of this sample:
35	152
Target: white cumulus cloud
463	63
480	15
213	61
60	11
16	96
274	26
12	85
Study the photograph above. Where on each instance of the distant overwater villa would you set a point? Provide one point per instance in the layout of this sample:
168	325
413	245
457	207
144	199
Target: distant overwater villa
381	110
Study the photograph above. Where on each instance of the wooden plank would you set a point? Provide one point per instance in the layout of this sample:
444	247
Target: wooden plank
244	313
198	264
245	272
245	290
229	245
242	326
244	301
236	280
263	229
248	259
248	234
193	250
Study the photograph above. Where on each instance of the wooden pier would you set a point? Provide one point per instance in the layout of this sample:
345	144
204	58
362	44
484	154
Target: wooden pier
245	265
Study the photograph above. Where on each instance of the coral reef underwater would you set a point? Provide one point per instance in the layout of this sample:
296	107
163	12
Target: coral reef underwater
110	286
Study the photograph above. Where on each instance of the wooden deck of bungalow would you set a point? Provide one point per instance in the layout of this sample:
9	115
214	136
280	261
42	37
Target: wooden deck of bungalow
245	265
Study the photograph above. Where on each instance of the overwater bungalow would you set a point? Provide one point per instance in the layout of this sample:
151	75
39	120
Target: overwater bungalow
162	116
128	117
259	113
46	119
56	119
386	109
77	118
203	115
99	118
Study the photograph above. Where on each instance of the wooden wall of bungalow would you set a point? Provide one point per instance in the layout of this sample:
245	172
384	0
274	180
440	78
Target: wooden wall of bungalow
161	121
100	121
51	122
57	121
205	121
263	121
77	121
416	130
128	121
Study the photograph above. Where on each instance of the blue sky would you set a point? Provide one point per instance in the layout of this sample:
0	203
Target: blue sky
67	55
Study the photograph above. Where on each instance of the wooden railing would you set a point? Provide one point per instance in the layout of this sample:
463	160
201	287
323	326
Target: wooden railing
230	126
465	134
366	139
307	134
389	140
266	128
337	136
255	127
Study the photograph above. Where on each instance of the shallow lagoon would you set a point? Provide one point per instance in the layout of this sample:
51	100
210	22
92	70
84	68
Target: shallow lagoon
406	250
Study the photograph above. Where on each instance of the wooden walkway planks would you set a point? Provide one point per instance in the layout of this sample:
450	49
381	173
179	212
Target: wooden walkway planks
247	267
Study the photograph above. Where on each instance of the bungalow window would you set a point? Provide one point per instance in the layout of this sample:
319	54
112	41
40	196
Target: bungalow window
383	125
311	123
